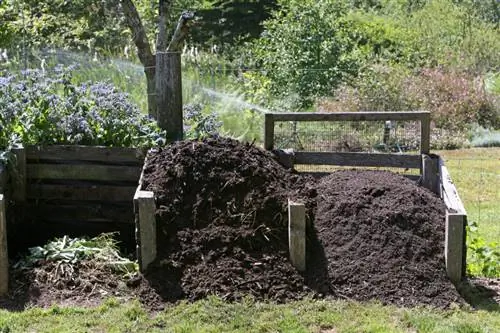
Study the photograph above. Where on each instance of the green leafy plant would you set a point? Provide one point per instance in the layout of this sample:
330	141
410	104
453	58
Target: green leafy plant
43	108
199	124
101	249
484	258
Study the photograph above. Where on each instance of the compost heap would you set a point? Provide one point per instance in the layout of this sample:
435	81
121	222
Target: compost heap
222	221
222	229
377	235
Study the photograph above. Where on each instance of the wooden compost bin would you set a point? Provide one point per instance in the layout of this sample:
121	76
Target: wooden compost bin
79	190
433	175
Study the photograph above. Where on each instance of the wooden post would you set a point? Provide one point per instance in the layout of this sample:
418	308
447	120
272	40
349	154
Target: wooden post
425	133
19	176
3	178
4	257
145	227
430	173
268	131
297	234
454	246
169	94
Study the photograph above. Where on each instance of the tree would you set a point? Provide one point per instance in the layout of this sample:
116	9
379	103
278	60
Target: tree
172	121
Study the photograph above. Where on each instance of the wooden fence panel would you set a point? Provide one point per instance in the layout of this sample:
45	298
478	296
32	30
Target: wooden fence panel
109	155
83	172
80	192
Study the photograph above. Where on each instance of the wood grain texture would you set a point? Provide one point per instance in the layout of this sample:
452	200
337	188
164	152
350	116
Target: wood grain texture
106	193
83	172
359	159
349	116
145	208
109	155
4	257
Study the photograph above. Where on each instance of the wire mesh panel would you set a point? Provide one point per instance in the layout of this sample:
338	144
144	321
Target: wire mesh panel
348	136
324	142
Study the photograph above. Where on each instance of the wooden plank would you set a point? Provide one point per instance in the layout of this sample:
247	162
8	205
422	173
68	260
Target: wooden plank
83	211
83	172
348	116
19	176
269	131
319	174
449	191
297	234
455	246
3	179
430	173
4	257
86	153
145	208
425	134
359	159
106	193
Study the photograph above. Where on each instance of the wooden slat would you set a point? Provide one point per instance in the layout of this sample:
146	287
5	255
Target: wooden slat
455	246
80	192
4	257
359	159
268	131
449	191
319	174
84	172
83	211
3	179
348	116
425	134
85	153
145	226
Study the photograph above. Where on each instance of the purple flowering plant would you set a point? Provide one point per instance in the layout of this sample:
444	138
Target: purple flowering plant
39	107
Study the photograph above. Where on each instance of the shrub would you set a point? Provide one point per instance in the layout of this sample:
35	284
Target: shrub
455	99
41	108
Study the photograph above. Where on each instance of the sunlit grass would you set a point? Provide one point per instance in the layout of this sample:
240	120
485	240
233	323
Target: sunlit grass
215	315
476	174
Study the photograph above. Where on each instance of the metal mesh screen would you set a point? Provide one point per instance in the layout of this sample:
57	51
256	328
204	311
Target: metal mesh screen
348	136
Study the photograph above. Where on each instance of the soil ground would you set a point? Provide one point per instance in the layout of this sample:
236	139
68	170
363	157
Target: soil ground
222	226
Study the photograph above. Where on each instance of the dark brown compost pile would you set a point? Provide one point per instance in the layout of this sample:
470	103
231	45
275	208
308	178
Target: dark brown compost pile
222	226
380	236
222	221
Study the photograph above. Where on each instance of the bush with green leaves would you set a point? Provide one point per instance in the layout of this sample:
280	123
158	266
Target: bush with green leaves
304	49
46	108
483	258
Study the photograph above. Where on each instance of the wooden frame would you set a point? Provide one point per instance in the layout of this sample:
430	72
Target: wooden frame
75	185
422	116
434	174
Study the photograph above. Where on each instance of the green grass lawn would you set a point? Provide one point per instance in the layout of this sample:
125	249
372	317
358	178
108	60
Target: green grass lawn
476	174
214	315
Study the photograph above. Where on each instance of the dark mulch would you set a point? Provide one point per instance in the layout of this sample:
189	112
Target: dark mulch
379	236
222	222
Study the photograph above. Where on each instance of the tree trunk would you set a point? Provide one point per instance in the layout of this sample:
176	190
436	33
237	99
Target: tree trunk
144	52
